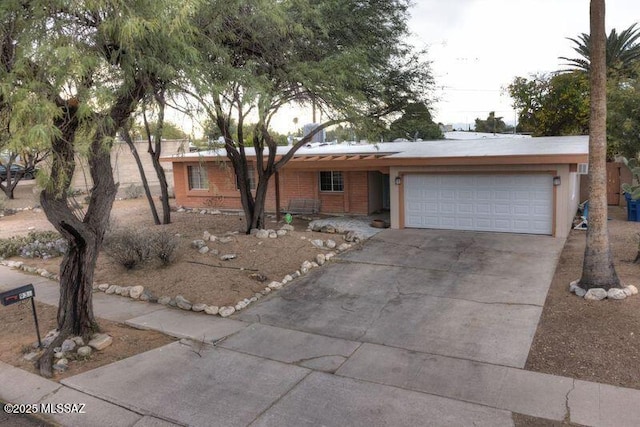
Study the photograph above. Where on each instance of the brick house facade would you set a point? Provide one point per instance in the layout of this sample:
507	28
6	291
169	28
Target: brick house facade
511	185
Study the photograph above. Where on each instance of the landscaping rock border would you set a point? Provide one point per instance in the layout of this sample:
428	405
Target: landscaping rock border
599	294
140	293
71	349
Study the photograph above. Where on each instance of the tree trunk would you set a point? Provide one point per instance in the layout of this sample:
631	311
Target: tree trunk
164	187
10	183
155	150
261	197
9	186
598	270
85	235
143	176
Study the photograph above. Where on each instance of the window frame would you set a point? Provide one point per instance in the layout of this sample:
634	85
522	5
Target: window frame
335	182
203	178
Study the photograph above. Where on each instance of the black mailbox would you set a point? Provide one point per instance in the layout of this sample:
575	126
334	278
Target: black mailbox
16	295
22	293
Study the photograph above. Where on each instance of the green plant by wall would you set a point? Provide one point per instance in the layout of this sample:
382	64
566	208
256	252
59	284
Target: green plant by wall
632	189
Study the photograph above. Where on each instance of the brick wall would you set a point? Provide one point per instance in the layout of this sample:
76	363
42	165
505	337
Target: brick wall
294	184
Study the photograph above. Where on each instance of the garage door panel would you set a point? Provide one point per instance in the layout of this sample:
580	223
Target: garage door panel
504	203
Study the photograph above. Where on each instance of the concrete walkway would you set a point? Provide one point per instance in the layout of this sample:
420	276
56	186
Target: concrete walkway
363	355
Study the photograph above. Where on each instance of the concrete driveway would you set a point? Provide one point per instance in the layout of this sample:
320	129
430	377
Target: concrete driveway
415	328
475	296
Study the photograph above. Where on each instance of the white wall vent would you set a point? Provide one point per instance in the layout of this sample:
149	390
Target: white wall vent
583	168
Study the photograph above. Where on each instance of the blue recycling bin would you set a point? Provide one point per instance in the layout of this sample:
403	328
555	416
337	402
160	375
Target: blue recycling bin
633	211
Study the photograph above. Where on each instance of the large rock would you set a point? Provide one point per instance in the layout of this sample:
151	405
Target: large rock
136	291
211	309
226	311
320	259
596	294
262	234
317	243
328	229
331	244
198	307
287	227
164	300
197	244
111	289
632	290
616	293
281	233
354	236
100	341
61	365
183	303
68	345
273	234
226	239
275	285
103	286
206	236
228	257
48	339
343	247
84	351
203	250
149	296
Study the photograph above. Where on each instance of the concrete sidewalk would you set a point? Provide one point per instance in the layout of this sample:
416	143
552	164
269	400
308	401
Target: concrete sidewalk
230	372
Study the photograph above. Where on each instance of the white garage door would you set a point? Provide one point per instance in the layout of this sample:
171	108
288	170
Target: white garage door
504	203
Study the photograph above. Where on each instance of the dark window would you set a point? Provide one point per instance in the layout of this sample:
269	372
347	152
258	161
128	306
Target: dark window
331	181
198	178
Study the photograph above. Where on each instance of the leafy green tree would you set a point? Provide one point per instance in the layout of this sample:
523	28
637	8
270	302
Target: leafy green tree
170	130
415	123
550	105
75	76
493	124
346	57
598	270
623	118
622	50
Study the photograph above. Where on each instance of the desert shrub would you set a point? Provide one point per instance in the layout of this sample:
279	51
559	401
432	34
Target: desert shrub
36	244
164	247
133	191
44	244
128	247
11	246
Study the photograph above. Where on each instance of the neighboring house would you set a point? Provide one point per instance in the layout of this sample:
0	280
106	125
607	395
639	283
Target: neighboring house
125	169
517	185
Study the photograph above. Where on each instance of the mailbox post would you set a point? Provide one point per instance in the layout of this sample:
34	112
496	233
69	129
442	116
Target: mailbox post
22	293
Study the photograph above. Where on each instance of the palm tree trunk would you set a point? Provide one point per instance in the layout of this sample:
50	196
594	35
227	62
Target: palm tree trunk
598	270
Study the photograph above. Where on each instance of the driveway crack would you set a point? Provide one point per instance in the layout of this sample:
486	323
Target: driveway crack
567	414
381	311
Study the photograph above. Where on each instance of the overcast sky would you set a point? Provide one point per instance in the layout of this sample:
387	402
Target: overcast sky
477	47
